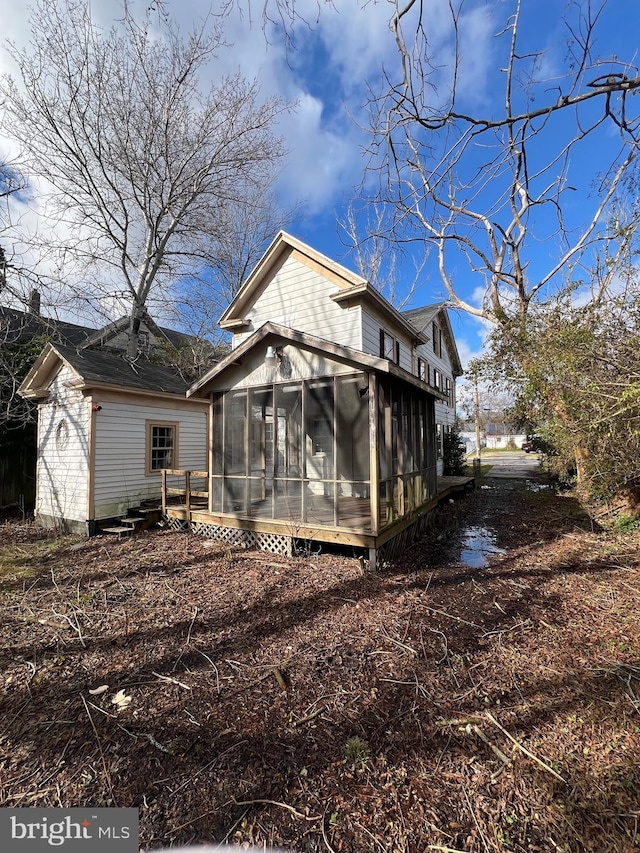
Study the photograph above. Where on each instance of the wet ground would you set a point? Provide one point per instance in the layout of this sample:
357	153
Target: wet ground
475	541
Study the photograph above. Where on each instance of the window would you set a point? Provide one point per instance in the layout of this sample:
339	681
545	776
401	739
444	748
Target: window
162	446
389	347
423	370
322	437
448	388
437	339
143	342
437	379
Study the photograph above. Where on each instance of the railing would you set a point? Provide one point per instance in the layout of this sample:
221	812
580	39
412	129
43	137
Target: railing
187	492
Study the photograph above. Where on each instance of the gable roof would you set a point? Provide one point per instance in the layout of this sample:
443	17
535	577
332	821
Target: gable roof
100	337
18	327
281	248
422	318
96	368
347	355
350	286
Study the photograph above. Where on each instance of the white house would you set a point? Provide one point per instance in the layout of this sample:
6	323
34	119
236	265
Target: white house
324	423
324	418
106	428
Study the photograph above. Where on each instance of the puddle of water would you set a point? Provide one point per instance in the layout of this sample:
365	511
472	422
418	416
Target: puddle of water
536	487
477	545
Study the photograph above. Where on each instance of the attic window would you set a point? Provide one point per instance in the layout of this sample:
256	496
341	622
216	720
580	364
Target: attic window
143	342
437	339
62	436
162	446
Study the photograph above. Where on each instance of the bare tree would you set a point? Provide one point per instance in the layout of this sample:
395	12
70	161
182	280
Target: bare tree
489	188
142	166
376	259
244	232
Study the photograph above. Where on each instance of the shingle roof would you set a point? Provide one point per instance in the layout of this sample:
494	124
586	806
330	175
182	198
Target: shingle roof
422	318
107	367
20	327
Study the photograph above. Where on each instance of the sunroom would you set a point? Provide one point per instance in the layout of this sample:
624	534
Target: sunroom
314	441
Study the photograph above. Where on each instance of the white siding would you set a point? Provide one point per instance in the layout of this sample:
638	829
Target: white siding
63	453
120	456
372	322
300	298
297	363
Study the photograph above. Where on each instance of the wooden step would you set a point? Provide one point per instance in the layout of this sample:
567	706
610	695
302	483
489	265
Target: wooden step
120	530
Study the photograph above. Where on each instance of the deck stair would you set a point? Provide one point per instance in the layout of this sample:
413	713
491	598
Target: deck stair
137	519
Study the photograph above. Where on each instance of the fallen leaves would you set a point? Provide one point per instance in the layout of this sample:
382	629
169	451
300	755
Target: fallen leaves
221	701
121	700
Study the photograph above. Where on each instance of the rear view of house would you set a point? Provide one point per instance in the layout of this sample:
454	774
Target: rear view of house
323	418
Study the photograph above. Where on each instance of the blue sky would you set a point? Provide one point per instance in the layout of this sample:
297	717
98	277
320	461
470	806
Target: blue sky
335	60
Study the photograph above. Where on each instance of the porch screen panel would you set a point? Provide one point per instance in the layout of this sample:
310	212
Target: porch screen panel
217	454
218	435
385	453
319	436
235	453
431	448
289	450
319	429
261	429
352	452
290	444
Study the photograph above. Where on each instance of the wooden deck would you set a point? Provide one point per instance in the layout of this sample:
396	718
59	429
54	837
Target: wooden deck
348	520
449	485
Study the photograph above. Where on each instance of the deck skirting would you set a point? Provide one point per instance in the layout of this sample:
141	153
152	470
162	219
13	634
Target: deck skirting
281	538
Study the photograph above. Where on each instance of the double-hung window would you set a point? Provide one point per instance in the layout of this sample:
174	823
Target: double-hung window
389	347
162	446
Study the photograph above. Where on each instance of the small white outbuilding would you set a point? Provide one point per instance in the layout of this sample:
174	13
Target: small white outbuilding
106	429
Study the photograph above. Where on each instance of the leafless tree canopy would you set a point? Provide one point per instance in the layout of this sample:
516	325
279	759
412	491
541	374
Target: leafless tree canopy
489	187
142	164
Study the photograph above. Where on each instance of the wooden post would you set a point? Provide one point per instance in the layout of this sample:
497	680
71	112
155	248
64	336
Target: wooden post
374	469
163	475
187	493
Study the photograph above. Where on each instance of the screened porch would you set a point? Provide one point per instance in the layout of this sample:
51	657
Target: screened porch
352	452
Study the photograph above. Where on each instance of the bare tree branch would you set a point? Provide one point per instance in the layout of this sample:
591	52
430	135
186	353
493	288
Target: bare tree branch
141	165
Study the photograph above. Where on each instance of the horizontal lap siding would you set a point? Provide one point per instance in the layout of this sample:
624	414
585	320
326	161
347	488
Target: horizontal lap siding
120	455
63	452
372	322
299	298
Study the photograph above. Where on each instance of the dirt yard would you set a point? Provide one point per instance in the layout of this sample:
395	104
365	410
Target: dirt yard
439	704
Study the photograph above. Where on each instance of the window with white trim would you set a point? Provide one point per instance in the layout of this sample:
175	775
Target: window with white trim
389	347
162	446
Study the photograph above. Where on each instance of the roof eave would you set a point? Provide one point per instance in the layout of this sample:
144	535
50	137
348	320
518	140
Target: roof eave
281	243
366	291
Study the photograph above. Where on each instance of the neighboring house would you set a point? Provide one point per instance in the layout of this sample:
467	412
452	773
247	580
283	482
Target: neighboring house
500	438
324	414
106	428
17	328
22	334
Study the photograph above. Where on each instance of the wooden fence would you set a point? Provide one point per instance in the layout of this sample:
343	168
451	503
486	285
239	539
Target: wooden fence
18	474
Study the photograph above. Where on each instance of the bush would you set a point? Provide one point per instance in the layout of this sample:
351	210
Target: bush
453	453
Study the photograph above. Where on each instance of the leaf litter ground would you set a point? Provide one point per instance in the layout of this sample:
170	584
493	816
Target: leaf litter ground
248	698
